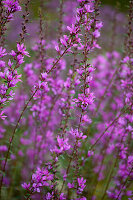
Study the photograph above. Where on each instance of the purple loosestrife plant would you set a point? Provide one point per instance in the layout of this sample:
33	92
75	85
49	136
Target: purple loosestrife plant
65	103
9	75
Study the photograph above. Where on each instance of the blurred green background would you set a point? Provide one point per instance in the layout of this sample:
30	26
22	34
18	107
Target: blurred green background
122	5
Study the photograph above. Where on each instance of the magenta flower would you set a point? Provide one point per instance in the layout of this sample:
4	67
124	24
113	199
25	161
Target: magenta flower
2	64
99	25
78	135
12	53
86	119
21	49
1	115
88	9
2	52
62	196
81	185
96	34
72	29
12	5
44	75
126	59
63	144
70	185
84	100
64	40
40	178
26	186
80	1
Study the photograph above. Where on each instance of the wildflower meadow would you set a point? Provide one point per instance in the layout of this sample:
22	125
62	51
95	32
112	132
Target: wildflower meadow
66	100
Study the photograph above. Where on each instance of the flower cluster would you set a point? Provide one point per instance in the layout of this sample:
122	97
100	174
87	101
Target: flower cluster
40	179
63	145
9	74
11	5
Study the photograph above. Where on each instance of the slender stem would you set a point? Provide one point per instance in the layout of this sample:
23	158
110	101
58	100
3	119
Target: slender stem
60	23
58	59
